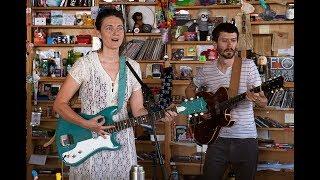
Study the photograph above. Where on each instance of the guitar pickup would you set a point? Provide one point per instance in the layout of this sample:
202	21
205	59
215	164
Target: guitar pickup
66	140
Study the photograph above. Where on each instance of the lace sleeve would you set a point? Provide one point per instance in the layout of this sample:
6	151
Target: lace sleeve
78	71
135	83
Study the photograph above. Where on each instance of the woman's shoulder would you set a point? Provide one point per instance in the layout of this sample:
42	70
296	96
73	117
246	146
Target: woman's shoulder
133	63
88	58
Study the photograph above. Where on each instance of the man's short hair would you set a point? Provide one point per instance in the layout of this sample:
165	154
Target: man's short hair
224	27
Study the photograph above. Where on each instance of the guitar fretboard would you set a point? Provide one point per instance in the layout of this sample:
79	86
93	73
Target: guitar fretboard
234	100
136	121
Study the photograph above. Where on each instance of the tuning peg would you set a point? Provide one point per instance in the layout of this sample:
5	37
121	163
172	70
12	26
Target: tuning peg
201	114
191	99
185	100
277	90
196	115
190	116
272	91
281	89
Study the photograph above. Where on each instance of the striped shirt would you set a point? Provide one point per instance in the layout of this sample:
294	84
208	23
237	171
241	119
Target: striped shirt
244	125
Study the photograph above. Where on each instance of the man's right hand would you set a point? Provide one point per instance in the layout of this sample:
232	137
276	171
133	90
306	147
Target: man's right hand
96	124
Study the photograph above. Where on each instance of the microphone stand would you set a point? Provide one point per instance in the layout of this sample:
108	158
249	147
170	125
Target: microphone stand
150	106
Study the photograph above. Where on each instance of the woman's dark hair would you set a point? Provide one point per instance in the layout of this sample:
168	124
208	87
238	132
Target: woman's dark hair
224	27
107	12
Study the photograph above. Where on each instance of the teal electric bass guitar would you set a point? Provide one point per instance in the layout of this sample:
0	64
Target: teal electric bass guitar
75	144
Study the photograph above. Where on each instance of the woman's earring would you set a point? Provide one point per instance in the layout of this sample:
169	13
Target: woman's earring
96	43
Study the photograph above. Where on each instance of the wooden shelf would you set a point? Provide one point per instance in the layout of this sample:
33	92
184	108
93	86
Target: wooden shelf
270	2
272	171
185	164
129	3
64	27
41	138
143	34
48	119
63	45
62	8
52	79
271	22
181	82
174	143
191	42
275	149
151	61
187	62
270	108
215	6
50	102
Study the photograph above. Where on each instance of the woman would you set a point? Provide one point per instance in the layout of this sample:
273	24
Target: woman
97	76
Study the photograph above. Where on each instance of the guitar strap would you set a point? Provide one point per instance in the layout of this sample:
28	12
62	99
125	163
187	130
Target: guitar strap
122	82
235	77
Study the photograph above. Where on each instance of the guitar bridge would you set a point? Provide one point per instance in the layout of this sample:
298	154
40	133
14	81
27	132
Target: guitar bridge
66	140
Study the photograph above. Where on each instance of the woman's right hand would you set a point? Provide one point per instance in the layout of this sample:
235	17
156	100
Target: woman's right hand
96	124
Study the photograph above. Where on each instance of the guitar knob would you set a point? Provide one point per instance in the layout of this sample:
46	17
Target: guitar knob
191	99
201	114
79	151
195	115
197	97
185	100
73	156
190	116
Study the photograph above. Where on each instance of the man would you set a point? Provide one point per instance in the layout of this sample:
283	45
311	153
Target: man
236	145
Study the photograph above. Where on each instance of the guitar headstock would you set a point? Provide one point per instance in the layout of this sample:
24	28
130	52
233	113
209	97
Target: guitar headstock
192	106
273	84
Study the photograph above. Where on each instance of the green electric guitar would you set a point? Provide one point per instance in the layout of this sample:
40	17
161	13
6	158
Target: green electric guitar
75	144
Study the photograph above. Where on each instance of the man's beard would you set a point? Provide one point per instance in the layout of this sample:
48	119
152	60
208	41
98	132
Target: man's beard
227	53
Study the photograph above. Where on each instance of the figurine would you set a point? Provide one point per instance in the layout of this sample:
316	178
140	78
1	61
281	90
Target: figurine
139	26
203	18
138	23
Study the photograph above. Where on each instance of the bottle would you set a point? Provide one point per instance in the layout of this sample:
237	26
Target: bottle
137	173
57	59
134	172
141	173
290	12
174	173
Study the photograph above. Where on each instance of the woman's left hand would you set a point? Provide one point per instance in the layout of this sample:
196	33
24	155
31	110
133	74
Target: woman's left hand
169	115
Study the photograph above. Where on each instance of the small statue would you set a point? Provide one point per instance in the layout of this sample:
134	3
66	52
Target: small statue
139	26
203	23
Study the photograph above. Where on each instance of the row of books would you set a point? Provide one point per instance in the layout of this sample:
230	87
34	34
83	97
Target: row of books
150	49
266	122
62	3
282	99
58	18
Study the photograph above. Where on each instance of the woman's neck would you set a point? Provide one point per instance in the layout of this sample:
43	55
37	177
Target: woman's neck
109	55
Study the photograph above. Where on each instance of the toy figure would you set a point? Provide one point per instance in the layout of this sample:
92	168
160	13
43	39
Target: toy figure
139	26
203	18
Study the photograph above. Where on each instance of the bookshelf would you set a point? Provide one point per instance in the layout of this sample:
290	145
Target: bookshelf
262	45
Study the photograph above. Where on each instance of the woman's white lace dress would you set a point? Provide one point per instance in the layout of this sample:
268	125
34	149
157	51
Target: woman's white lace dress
96	94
